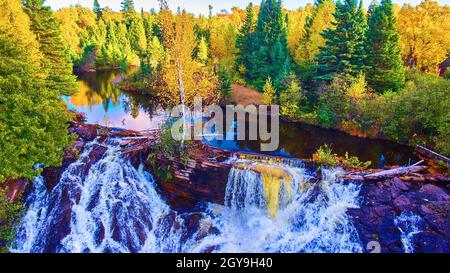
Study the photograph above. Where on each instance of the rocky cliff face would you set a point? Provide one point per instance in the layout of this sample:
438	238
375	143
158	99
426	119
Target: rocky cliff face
393	212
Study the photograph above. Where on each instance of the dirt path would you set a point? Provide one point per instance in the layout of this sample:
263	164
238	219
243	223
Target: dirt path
245	96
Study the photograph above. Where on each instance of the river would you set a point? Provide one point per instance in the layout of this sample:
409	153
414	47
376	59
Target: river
103	103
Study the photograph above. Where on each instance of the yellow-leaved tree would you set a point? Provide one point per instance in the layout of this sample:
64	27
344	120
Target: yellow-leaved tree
182	78
424	35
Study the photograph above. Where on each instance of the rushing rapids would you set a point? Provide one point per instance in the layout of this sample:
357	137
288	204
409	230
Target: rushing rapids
110	207
102	203
284	212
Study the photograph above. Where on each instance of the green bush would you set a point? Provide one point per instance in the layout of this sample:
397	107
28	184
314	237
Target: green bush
9	216
325	156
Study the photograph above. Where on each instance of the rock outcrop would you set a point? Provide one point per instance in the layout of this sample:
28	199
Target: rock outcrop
385	202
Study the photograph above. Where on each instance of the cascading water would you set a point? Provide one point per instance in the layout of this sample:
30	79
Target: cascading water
109	207
307	217
103	204
409	225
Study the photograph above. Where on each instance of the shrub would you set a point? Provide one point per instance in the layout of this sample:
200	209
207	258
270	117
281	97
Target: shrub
325	156
9	216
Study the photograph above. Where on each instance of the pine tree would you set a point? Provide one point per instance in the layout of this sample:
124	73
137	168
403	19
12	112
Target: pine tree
137	37
202	52
386	66
97	9
155	53
270	57
344	51
56	62
321	19
127	8
269	92
244	41
33	119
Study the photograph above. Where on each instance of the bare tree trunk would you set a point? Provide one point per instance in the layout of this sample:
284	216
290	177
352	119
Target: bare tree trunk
183	105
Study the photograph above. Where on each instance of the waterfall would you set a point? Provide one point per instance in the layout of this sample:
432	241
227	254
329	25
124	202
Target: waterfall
310	217
109	207
104	204
409	225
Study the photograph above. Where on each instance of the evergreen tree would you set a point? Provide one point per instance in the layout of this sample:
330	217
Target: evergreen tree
225	81
97	9
202	52
128	9
321	19
269	92
244	41
386	66
137	37
271	56
56	62
155	53
33	119
344	51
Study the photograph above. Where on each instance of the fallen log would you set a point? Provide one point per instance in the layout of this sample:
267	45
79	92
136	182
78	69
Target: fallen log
396	172
429	154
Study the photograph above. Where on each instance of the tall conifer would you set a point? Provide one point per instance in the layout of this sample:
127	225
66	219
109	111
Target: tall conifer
386	66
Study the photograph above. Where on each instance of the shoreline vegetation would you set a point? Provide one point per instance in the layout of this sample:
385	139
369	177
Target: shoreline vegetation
371	73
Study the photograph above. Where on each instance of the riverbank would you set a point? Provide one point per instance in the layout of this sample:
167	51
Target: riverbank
246	96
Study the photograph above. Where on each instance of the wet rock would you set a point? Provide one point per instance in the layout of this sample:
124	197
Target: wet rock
52	175
97	153
399	184
87	132
429	242
384	201
402	203
431	192
437	215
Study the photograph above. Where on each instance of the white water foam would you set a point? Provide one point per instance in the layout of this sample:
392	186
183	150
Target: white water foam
314	220
409	225
114	207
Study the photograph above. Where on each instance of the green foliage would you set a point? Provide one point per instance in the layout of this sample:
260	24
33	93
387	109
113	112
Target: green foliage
269	92
354	162
386	65
344	51
290	100
325	156
97	9
244	41
127	7
264	52
137	36
33	119
334	102
9	216
419	113
226	81
168	149
56	63
320	20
